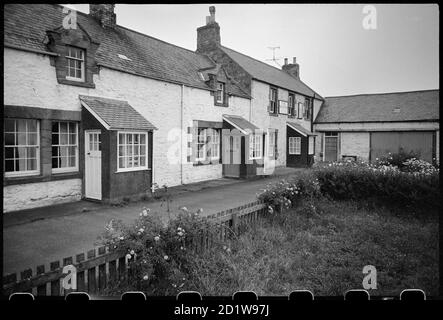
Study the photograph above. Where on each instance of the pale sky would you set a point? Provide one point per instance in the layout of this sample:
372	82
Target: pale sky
337	56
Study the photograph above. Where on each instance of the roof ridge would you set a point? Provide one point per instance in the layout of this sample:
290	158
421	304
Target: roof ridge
255	59
283	72
87	15
382	93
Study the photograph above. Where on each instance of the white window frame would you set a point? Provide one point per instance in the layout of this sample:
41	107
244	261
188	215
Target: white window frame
37	152
271	143
295	145
273	99
201	132
300	110
66	169
81	60
255	146
215	144
139	168
220	93
311	145
291	105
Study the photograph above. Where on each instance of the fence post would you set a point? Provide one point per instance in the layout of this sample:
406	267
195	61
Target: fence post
235	222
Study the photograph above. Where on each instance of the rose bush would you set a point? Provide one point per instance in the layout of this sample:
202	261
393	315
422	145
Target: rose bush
160	257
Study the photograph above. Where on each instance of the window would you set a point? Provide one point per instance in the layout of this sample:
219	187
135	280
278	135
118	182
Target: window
208	144
273	100
271	144
64	146
311	140
300	110
22	141
291	105
132	151
294	145
76	64
255	146
201	144
307	110
214	144
220	94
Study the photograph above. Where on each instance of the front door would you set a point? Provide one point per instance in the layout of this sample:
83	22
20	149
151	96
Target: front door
93	165
231	155
331	146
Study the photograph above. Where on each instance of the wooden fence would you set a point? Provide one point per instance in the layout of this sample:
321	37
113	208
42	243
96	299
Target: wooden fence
96	268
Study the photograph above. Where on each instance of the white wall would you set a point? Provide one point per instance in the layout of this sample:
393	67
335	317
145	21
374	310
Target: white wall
32	195
30	80
262	119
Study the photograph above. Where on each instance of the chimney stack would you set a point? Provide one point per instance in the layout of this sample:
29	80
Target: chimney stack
104	14
286	61
208	36
293	69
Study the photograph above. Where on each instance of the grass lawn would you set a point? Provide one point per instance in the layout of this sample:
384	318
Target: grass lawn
324	248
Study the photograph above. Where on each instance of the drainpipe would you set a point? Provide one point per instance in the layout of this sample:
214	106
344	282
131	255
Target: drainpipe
181	133
152	165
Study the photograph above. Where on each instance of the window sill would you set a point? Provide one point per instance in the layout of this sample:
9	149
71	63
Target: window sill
65	170
132	170
206	163
7	181
76	83
272	114
220	104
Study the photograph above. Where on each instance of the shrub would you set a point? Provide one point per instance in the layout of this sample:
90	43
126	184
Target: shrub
397	159
287	193
420	166
160	257
382	184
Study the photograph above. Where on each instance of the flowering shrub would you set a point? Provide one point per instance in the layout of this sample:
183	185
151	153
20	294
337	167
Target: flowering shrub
414	165
383	183
285	194
356	180
397	159
160	257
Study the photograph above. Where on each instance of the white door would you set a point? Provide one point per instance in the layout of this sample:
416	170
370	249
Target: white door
93	165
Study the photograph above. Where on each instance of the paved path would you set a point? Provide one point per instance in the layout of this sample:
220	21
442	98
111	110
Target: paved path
29	244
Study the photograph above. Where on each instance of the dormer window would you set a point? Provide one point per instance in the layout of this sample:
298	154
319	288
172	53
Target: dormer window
220	93
75	64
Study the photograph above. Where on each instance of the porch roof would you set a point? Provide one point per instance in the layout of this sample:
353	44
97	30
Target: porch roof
297	127
115	114
240	123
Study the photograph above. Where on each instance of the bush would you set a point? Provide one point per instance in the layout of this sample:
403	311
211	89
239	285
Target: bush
160	257
287	193
382	184
397	159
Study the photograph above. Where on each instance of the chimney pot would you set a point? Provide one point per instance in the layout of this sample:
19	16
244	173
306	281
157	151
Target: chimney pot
294	59
286	61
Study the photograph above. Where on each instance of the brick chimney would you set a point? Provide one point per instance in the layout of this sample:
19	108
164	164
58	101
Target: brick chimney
104	14
208	36
292	69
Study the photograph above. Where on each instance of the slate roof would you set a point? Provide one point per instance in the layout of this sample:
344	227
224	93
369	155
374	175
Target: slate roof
392	107
25	27
264	72
240	122
299	128
117	114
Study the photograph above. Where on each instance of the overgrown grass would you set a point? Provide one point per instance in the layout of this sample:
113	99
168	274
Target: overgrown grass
324	247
